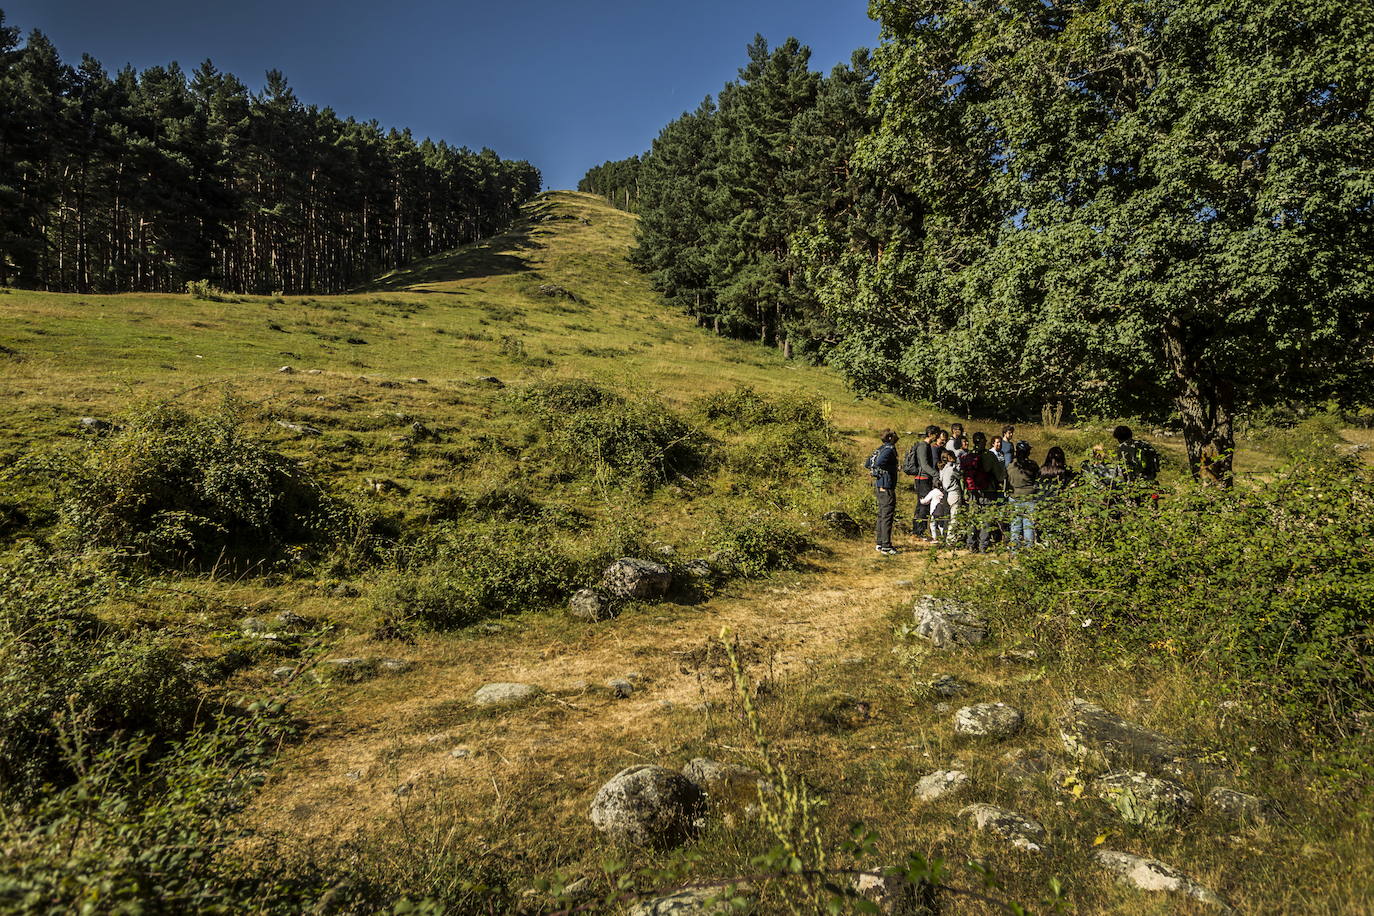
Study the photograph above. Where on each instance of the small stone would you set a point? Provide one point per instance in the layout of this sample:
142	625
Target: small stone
1153	875
490	381
314	372
349	669
1021	656
947	625
286	370
1142	799
1240	807
648	806
503	694
282	673
460	753
904	583
418	381
630	577
393	665
620	688
988	720
894	895
299	428
590	605
403	790
711	901
940	783
699	569
947	685
1023	832
943	708
95	424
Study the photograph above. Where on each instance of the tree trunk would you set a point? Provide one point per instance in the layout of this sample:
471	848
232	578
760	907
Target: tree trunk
1207	405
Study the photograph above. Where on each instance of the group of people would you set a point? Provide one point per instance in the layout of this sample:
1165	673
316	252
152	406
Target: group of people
956	475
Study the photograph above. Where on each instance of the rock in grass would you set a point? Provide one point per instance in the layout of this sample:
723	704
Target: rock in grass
502	694
349	669
1240	807
947	625
947	685
490	381
591	605
1023	832
1093	734
894	895
988	720
620	688
649	806
95	425
707	901
842	523
630	577
299	428
731	790
393	665
940	784
1140	798
1153	875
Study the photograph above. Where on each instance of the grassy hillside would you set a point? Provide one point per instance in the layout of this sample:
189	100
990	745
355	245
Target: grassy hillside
388	783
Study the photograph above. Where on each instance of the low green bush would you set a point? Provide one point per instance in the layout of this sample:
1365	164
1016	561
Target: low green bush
638	443
1266	590
758	543
176	489
69	683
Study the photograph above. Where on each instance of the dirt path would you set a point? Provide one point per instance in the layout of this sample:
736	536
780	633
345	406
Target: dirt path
395	738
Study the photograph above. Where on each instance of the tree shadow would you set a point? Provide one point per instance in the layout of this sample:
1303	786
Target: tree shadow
488	258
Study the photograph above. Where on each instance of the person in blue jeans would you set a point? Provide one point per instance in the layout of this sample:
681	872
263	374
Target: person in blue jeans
1023	482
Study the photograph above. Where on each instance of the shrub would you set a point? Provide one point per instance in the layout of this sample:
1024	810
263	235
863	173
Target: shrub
744	408
640	443
69	682
204	290
1264	590
175	489
789	436
458	577
758	543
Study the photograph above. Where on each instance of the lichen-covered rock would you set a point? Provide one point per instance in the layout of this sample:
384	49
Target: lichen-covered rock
894	895
1140	798
988	720
348	669
504	694
699	569
591	605
940	784
1240	807
630	577
732	790
1093	734
649	806
1153	875
1023	832
708	901
947	685
620	688
393	665
948	625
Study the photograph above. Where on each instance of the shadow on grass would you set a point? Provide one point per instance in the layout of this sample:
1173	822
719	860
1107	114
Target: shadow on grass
488	258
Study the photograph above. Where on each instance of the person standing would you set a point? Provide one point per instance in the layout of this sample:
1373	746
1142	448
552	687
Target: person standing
1005	450
1055	474
1139	463
927	472
882	465
953	488
984	477
958	442
1023	479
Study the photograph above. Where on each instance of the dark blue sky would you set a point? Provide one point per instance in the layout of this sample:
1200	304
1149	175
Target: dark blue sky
565	84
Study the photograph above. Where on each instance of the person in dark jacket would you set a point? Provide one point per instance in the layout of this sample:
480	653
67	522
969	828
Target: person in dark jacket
1023	482
984	479
1055	474
883	466
927	477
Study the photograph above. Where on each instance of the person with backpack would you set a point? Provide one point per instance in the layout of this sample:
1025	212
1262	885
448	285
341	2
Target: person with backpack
882	467
920	464
984	476
1023	481
1139	462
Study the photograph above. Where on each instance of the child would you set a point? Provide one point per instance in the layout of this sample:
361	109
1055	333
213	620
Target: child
952	486
934	501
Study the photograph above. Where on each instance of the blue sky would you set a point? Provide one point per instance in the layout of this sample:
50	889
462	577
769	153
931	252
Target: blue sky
565	84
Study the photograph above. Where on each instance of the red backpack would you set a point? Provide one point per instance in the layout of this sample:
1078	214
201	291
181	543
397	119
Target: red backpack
976	479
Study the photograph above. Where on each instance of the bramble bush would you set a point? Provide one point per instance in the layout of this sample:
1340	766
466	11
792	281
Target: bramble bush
1265	589
639	442
758	543
790	436
175	489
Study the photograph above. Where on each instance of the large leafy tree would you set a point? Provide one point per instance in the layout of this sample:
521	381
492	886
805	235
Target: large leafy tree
1120	203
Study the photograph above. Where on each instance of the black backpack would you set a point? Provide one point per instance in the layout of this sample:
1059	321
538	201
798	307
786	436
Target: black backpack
871	463
1142	459
910	465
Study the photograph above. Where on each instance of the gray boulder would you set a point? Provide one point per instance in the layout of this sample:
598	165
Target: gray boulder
1153	875
1023	832
1092	734
894	895
732	790
649	806
940	784
590	605
988	720
947	625
699	569
1140	798
630	577
490	380
504	694
620	688
95	425
1240	807
704	901
947	686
